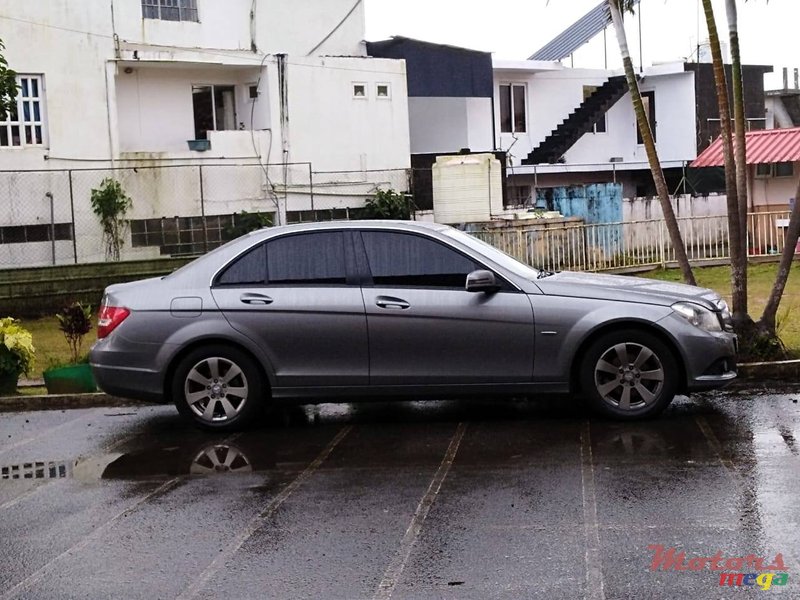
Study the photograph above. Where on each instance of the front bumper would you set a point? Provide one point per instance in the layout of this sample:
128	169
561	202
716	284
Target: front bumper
709	358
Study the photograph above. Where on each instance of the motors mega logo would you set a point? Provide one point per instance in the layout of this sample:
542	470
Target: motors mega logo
750	570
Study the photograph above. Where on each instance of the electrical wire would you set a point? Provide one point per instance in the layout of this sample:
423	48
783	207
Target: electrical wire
335	29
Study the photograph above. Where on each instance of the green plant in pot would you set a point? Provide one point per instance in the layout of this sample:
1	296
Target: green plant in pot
74	321
16	354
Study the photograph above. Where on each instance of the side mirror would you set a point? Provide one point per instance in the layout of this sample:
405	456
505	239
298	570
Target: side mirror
482	281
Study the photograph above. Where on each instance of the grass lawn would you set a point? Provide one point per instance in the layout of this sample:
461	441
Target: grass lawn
51	345
759	284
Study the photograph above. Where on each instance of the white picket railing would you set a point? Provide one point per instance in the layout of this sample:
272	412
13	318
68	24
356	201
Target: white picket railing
619	246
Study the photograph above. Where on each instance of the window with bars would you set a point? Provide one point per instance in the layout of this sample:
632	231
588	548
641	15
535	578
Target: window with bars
24	125
170	10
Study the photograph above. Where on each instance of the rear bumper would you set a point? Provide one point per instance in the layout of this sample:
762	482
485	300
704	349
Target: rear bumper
126	382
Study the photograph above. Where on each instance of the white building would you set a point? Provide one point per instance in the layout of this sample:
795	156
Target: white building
538	104
132	82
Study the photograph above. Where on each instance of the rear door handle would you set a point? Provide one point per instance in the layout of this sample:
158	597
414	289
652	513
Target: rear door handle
391	303
255	299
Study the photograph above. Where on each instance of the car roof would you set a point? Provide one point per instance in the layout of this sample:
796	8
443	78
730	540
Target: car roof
354	224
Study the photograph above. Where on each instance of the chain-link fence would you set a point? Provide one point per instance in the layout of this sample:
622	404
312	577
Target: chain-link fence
46	217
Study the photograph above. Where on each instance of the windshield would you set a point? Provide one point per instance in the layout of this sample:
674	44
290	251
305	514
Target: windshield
504	260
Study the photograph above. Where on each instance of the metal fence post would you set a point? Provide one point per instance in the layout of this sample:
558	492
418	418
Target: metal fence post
311	185
49	195
202	211
72	213
662	250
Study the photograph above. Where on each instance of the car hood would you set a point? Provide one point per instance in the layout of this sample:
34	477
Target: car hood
625	289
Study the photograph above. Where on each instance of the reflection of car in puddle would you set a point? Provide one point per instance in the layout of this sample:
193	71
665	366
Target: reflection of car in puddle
220	458
209	460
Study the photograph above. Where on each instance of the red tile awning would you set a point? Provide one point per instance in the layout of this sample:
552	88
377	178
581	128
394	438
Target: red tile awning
763	146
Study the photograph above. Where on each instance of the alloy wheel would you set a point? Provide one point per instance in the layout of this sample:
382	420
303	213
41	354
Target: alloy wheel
629	376
216	389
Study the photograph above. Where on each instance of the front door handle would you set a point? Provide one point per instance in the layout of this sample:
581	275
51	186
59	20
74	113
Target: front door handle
391	303
255	299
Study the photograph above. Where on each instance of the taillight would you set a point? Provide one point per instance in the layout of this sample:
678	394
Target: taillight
109	319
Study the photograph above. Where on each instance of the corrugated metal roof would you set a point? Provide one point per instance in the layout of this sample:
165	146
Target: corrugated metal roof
763	146
576	35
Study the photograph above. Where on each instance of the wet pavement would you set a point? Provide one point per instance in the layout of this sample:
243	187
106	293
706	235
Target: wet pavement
478	499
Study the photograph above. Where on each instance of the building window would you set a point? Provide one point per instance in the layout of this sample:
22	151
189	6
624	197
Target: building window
519	195
781	169
784	169
600	125
214	109
359	90
170	10
649	103
24	125
382	90
513	117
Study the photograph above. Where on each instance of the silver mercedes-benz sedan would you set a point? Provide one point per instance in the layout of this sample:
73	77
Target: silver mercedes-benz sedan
343	311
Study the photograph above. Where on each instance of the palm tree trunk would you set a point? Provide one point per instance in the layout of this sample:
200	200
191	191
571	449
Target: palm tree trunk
738	258
740	126
650	146
792	234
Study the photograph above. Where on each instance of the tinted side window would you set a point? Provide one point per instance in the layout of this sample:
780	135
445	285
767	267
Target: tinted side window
248	269
397	259
310	258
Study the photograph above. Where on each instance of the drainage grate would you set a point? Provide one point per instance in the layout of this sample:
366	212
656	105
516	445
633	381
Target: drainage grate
36	470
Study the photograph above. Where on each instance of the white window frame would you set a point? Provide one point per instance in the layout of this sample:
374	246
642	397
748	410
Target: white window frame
22	124
362	84
214	119
388	94
187	10
512	85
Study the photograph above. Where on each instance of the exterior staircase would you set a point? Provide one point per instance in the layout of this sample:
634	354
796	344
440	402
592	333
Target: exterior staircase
579	122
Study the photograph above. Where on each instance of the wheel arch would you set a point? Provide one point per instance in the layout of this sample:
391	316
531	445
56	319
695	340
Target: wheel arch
176	359
643	326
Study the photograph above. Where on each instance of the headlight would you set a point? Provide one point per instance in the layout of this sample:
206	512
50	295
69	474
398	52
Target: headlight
698	316
725	314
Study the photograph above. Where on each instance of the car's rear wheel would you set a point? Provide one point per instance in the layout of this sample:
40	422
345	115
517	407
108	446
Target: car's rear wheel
218	387
629	374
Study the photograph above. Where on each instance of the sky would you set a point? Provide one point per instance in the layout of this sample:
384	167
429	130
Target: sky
769	32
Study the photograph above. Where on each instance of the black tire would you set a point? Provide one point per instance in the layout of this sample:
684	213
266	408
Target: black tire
230	410
640	387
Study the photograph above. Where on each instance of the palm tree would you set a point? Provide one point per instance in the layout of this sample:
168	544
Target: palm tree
738	256
616	8
739	125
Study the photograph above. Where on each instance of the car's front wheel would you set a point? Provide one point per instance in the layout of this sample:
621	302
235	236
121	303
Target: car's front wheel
629	374
218	387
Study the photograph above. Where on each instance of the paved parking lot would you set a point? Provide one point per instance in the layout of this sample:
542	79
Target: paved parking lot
480	499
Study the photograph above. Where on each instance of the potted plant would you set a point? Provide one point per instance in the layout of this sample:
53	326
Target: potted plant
16	354
74	321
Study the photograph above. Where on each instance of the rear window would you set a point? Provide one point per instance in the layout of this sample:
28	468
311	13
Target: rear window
248	269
